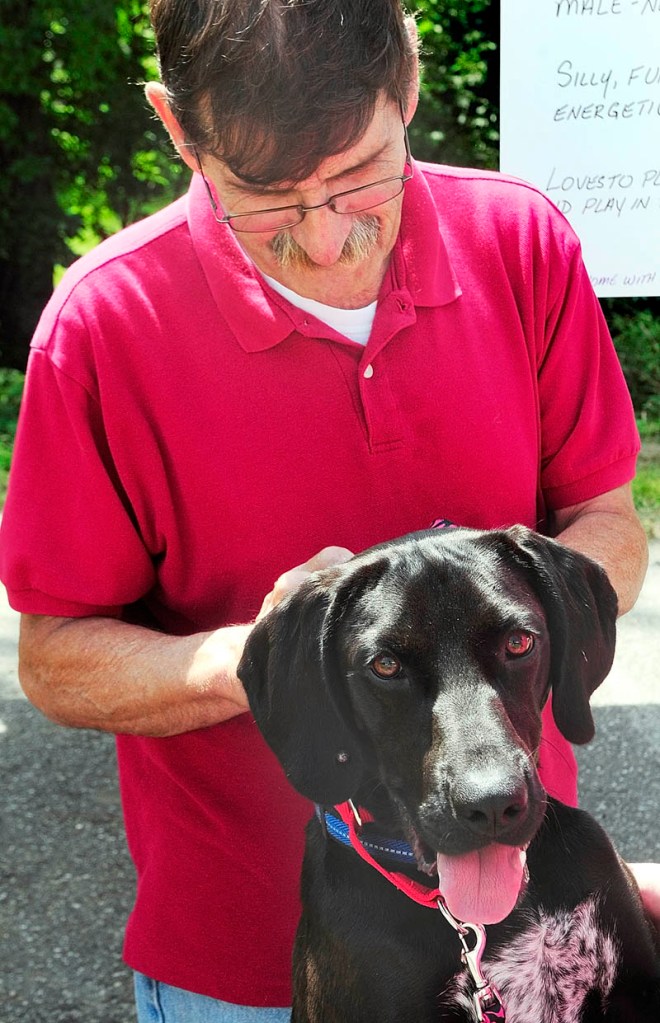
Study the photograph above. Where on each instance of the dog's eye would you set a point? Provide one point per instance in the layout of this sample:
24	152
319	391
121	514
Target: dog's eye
519	643
385	666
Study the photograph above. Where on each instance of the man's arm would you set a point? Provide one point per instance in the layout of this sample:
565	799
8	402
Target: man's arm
607	529
115	677
108	675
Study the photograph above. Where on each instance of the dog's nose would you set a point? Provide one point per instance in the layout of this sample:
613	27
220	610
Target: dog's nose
491	802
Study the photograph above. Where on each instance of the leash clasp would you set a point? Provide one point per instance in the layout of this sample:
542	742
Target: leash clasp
486	998
472	956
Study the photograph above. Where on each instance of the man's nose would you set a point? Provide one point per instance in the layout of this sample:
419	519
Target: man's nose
322	235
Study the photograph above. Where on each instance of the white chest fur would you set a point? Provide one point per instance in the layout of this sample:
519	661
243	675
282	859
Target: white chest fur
545	973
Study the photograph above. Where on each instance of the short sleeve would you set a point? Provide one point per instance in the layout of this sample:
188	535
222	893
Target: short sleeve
588	433
68	543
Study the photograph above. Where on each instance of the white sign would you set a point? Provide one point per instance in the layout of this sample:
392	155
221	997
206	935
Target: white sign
580	119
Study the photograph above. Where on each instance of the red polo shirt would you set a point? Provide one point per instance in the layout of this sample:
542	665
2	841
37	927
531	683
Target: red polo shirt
187	435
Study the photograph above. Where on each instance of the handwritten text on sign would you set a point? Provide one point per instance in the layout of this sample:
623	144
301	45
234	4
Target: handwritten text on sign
580	118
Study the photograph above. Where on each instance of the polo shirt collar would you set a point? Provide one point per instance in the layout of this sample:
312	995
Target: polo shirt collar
260	318
420	253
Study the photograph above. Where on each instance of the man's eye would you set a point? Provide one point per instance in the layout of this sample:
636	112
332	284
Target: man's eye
386	666
519	643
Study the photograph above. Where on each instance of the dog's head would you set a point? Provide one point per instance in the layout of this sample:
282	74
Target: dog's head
416	674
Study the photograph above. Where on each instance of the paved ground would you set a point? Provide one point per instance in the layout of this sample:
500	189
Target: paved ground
66	881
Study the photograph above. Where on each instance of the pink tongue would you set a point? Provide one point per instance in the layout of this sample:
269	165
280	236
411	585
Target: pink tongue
482	887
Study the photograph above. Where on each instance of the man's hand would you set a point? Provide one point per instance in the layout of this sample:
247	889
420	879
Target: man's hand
292	579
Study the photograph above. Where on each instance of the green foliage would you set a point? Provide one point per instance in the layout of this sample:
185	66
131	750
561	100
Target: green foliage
457	119
646	490
80	151
11	391
646	487
635	326
81	71
649	429
637	339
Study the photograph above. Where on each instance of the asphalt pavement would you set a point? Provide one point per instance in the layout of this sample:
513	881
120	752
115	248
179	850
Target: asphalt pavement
66	882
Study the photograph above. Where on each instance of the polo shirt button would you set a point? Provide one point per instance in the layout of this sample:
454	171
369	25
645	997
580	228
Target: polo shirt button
369	372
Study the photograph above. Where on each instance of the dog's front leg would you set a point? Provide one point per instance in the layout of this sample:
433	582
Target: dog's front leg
380	971
319	994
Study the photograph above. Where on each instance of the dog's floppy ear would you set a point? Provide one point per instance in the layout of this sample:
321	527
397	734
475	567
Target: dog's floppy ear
291	698
581	608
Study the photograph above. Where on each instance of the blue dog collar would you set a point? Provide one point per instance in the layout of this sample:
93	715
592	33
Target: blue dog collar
395	850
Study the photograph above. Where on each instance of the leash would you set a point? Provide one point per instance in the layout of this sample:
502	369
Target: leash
343	827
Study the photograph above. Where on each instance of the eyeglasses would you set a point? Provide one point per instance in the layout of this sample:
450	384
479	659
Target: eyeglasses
278	218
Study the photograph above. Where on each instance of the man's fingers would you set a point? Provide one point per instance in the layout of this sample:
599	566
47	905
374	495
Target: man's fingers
292	579
326	558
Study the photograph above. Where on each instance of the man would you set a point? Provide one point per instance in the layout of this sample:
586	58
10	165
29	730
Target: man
320	347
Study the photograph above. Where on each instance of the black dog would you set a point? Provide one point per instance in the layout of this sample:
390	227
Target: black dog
411	681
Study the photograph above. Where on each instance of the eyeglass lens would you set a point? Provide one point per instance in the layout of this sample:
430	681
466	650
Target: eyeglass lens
355	201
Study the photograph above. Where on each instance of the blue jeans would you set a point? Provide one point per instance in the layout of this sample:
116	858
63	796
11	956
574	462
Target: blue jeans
162	1003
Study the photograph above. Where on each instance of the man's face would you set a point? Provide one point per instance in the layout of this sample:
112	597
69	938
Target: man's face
339	259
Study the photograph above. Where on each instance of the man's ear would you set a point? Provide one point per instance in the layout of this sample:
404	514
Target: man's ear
156	94
413	95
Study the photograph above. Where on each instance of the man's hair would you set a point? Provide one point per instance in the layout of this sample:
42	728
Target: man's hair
274	87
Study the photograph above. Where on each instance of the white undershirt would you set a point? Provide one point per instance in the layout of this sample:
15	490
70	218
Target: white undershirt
353	323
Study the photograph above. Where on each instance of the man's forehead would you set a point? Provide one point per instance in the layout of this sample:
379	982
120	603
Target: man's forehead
374	144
